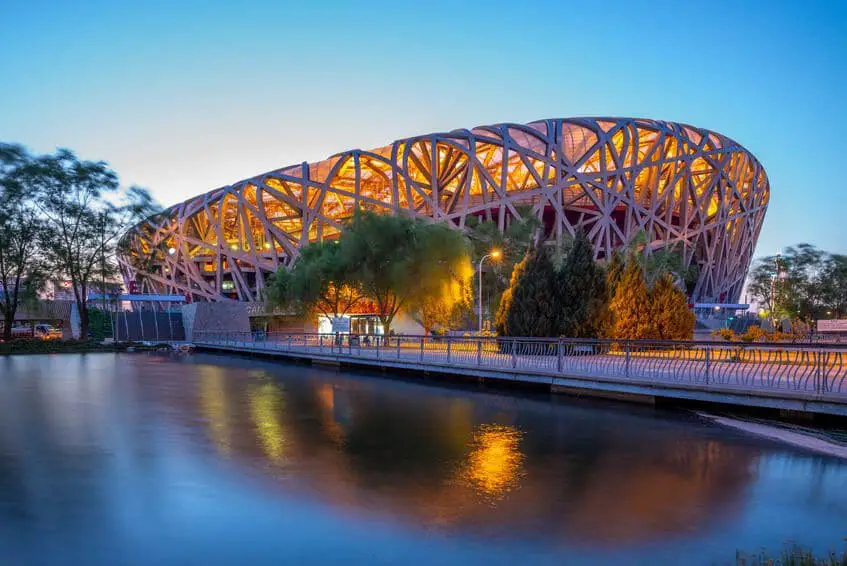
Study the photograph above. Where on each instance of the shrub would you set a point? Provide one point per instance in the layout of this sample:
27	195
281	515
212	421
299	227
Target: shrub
753	334
727	334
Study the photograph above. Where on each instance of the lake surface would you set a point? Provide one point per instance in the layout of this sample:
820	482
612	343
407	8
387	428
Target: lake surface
137	459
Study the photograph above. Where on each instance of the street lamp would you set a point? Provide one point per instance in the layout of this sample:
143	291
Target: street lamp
493	254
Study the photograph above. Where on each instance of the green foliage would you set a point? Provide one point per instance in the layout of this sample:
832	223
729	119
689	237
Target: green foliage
670	314
401	262
630	306
529	306
21	268
99	324
84	212
36	346
323	280
803	283
582	294
514	241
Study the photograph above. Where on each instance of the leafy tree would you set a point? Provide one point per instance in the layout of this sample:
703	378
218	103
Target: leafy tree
671	317
630	306
614	271
21	273
582	297
803	283
835	285
518	237
402	262
529	306
322	281
446	308
85	212
657	261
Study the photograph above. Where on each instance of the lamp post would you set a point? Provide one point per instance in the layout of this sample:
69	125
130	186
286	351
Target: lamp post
494	254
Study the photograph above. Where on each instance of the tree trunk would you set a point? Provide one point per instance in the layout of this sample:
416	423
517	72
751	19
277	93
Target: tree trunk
8	323
83	322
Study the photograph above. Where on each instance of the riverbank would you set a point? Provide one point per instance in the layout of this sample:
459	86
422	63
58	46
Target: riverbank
22	347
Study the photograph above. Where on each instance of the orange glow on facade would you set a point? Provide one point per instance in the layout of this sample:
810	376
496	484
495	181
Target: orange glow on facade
612	177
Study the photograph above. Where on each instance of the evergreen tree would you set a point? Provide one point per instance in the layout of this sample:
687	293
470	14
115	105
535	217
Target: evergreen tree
614	271
631	306
582	297
528	307
671	317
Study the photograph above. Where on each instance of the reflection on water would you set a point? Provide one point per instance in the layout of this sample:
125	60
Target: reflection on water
226	460
494	461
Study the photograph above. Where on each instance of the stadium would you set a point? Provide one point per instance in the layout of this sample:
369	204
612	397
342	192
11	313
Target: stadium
683	187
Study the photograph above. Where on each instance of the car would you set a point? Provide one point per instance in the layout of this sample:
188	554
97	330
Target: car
47	332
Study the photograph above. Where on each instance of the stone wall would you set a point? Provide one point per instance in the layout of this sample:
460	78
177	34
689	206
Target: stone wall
229	316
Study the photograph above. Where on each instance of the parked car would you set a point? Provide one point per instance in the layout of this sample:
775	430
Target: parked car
47	332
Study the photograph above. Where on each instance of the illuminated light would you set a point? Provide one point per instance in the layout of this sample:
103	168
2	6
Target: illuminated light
172	251
495	463
266	405
213	399
711	192
496	253
267	245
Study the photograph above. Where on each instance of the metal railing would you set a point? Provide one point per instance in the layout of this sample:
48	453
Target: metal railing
810	369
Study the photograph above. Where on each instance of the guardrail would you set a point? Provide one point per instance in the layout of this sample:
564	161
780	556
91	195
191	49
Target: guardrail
814	369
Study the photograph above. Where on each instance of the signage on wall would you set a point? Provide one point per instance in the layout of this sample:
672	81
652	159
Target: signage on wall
832	325
340	324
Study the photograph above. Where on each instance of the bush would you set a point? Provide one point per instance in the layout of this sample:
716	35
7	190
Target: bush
753	334
727	334
35	346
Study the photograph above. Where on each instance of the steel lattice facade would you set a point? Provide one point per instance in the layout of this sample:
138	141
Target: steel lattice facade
685	187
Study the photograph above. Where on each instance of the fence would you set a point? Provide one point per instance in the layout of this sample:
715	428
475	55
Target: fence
819	369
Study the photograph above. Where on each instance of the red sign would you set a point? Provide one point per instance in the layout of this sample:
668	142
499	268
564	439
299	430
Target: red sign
133	287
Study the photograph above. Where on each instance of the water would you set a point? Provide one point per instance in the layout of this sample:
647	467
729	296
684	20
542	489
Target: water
143	459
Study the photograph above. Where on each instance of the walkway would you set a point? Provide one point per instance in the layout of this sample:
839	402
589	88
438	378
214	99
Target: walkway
811	378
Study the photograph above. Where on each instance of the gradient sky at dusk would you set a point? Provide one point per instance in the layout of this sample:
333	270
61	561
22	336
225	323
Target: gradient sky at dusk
185	99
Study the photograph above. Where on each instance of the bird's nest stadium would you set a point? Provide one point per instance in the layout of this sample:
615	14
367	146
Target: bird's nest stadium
691	189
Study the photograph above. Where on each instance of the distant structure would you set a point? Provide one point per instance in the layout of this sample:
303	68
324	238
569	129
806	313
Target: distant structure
686	188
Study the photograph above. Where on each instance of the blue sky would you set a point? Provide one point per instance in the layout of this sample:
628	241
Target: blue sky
183	97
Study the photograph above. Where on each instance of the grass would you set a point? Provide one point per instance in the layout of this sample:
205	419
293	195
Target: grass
792	555
36	346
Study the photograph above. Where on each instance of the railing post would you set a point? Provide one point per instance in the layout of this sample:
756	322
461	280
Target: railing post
479	351
422	348
708	363
449	344
290	338
321	343
818	373
560	356
397	338
514	354
376	339
626	363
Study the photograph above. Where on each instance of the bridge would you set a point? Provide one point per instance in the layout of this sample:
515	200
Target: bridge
797	377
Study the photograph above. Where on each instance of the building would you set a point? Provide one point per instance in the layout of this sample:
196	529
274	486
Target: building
681	186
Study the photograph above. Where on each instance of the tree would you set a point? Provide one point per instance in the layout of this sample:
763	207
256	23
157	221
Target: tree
630	306
446	308
582	296
21	275
402	262
670	315
803	283
85	212
529	305
514	241
835	285
322	281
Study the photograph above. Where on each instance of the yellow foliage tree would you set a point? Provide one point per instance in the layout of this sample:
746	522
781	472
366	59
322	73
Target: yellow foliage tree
671	316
